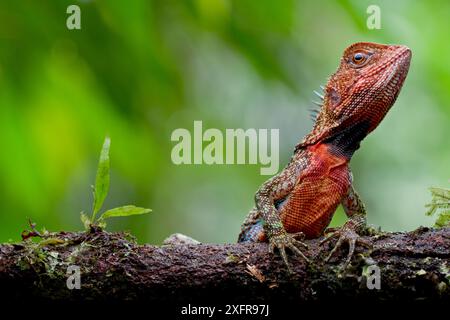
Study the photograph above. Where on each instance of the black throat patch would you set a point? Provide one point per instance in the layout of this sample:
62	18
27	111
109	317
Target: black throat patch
346	141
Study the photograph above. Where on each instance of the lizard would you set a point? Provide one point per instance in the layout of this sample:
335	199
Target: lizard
300	201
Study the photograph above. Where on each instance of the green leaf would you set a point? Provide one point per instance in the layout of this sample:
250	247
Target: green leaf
440	203
85	220
443	220
102	224
102	179
124	212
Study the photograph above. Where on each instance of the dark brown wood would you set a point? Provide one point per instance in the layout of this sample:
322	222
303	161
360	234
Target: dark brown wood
413	265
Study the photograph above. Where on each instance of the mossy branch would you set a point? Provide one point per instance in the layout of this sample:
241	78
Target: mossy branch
413	265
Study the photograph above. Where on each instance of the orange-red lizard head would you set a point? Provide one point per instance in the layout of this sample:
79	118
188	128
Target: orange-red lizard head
361	91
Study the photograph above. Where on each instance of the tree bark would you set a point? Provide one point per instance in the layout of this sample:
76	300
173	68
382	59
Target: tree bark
413	265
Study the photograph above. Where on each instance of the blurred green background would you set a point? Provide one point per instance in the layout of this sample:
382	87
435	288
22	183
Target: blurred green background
137	70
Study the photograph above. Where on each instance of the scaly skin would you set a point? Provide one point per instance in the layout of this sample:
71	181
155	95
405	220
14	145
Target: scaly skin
301	200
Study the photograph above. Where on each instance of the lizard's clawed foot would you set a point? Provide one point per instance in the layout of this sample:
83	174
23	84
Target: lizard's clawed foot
345	235
286	240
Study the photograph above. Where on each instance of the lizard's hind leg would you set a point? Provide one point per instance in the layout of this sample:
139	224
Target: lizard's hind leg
252	229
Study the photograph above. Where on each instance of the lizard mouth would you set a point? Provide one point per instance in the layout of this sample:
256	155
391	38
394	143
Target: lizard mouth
396	74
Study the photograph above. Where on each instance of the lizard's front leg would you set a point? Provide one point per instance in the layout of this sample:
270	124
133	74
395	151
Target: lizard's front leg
278	188
349	232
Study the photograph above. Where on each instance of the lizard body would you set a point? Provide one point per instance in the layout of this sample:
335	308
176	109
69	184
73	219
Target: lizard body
301	200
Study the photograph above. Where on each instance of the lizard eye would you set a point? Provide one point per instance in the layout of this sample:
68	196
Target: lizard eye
359	58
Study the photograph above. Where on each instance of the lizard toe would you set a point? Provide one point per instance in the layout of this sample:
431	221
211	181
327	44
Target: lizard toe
283	241
283	254
351	250
294	248
345	236
328	238
337	246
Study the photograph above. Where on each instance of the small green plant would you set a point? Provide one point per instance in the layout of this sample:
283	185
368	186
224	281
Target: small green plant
100	191
440	203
